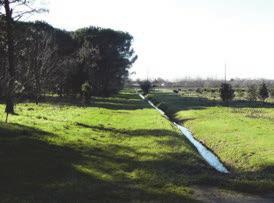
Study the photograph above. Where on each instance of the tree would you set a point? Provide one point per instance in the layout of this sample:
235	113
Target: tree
10	16
146	86
86	92
263	92
252	93
40	54
106	56
10	55
49	60
3	58
226	92
272	92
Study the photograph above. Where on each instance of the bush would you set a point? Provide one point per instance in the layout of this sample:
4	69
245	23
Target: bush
176	91
263	92
86	92
252	93
146	86
199	90
226	92
240	93
272	92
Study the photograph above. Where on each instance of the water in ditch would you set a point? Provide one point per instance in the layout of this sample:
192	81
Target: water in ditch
210	157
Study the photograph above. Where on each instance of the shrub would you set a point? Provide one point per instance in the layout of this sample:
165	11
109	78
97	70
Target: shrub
240	93
199	90
146	86
263	92
176	91
86	92
272	92
252	93
226	92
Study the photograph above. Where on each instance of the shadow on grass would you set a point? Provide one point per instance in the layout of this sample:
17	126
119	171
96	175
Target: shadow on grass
121	101
33	170
125	132
259	181
29	164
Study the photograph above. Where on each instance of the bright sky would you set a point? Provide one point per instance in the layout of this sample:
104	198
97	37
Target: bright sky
183	38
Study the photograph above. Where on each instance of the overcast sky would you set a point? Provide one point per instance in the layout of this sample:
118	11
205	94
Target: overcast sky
183	38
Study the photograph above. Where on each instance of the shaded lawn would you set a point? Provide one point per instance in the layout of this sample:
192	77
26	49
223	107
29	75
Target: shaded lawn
242	135
57	153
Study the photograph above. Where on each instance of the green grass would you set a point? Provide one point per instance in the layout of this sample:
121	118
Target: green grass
242	135
118	149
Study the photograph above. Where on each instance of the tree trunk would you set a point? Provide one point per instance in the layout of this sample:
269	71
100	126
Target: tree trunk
10	48
36	72
7	117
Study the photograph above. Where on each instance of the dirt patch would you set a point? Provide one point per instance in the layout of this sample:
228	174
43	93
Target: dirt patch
215	195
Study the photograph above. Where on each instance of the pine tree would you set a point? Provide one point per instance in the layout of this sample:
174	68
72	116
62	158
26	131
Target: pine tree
227	92
252	93
86	91
272	92
145	86
263	92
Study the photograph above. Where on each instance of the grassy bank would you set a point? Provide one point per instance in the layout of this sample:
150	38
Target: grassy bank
118	149
242	135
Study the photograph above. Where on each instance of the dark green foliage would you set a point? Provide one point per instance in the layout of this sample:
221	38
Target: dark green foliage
263	92
240	93
146	86
105	56
49	60
9	107
176	91
252	93
272	92
86	92
226	92
199	90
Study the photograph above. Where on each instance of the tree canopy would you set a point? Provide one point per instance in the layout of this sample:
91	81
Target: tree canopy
50	60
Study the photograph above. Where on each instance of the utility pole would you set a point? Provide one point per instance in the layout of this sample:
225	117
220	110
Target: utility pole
225	73
147	73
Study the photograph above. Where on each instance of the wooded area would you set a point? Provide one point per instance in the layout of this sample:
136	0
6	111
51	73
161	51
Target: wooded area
37	59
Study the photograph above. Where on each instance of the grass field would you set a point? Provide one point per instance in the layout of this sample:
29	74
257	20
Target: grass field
242	135
118	149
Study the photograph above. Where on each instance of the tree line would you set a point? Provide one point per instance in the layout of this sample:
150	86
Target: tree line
226	90
37	59
203	83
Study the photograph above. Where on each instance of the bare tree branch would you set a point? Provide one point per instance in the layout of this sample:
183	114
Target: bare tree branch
29	12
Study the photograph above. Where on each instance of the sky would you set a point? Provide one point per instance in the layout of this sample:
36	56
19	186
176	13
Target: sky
177	39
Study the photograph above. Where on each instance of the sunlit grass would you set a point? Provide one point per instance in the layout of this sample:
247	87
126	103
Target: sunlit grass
242	134
118	149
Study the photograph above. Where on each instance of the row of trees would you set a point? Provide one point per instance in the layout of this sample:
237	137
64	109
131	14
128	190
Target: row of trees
52	60
194	83
37	59
227	93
